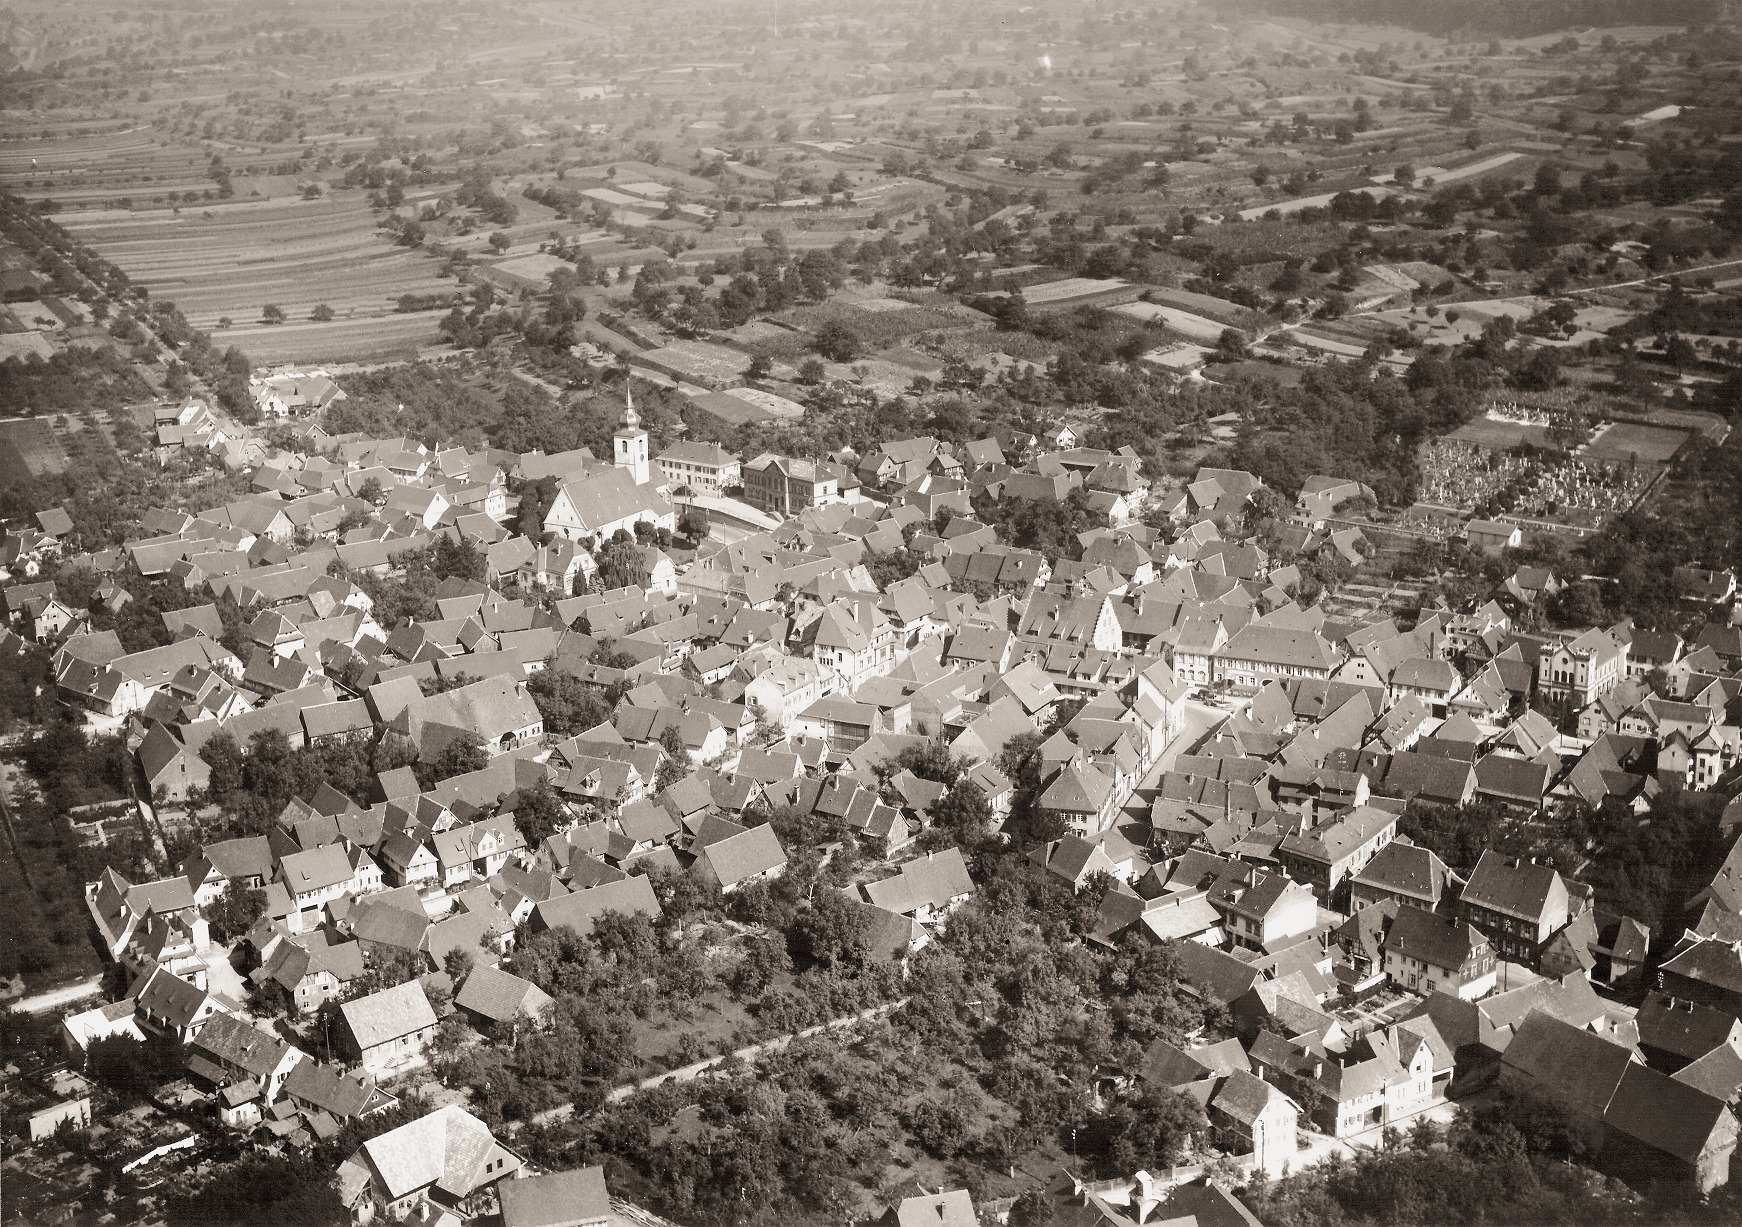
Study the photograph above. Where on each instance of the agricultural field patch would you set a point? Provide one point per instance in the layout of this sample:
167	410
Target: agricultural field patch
879	329
341	340
1185	322
228	263
28	449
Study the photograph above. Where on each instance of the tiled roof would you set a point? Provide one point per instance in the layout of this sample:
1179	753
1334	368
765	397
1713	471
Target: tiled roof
1515	888
557	1199
1578	1067
447	1149
1434	940
742	856
232	1042
1406	869
388	1015
500	996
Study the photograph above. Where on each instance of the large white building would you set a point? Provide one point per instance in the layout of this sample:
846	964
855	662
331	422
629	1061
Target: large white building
596	505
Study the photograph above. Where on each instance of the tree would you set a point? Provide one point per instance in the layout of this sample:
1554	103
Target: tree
293	1189
931	761
567	706
132	1069
619	562
1231	344
765	957
458	964
234	912
1032	1209
761	367
457	558
963	815
837	342
500	240
1157	1125
458	757
321	314
537	811
833	931
1404	175
272	313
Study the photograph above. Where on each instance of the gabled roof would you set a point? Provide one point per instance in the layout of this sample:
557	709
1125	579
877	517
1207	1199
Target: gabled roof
1408	870
556	1199
1512	887
580	909
1667	1115
1569	1062
499	996
388	1015
1167	1065
316	869
234	1043
932	880
745	855
326	1087
1684	1028
447	1149
1243	1096
1434	940
171	998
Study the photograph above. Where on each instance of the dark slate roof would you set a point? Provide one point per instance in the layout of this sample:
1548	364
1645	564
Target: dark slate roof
1666	1115
1709	962
1217	976
1514	779
1406	869
1514	887
1568	1062
1166	1065
580	909
1433	939
1718	1073
1682	1027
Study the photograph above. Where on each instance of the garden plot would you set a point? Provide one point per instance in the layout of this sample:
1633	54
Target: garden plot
1185	322
28	449
1199	304
878	306
1441	329
1602	319
1072	289
1466	172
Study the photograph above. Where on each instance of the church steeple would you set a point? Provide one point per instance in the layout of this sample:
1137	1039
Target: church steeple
631	441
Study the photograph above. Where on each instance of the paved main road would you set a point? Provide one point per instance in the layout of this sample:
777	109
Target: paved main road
1200	722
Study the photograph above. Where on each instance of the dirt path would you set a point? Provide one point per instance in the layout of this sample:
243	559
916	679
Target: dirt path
57	997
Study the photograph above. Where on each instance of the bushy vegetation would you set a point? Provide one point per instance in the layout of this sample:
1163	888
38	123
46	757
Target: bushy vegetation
1006	1017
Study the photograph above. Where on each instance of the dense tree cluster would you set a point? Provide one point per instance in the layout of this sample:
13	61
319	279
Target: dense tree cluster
979	1069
